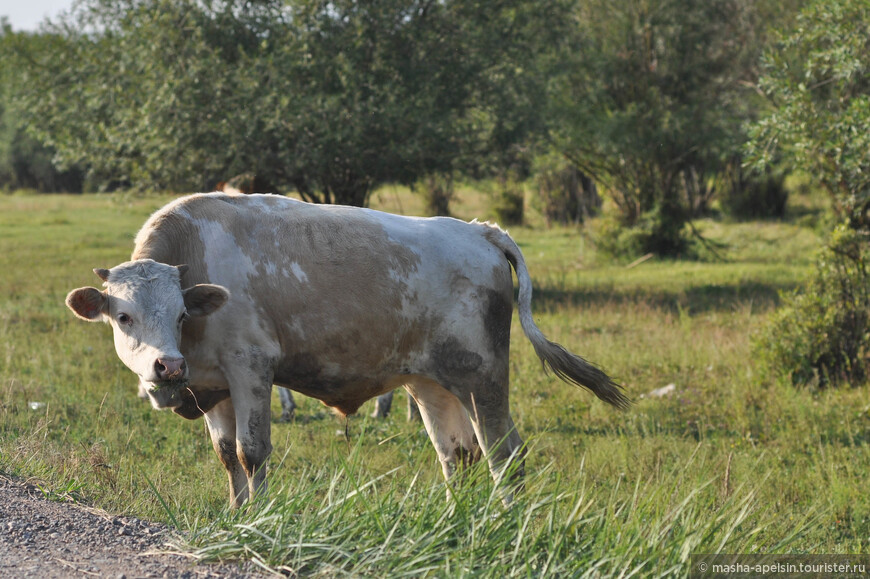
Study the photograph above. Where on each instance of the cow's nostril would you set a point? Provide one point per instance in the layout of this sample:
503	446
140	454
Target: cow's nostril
169	368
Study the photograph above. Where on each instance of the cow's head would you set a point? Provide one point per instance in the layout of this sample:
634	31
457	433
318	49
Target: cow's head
145	305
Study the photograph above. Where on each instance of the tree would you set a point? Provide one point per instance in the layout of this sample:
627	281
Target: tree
331	99
25	163
817	77
653	102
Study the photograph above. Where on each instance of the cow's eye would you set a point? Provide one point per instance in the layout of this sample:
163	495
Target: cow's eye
124	319
182	318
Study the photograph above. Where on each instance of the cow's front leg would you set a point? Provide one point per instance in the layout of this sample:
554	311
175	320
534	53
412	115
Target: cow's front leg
221	422
251	392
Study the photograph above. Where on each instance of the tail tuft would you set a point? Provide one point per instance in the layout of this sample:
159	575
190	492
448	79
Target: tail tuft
575	370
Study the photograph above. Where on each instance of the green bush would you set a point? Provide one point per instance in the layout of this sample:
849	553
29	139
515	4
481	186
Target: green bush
658	231
566	194
437	191
756	197
819	336
508	203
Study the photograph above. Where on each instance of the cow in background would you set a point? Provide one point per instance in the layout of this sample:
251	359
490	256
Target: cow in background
246	183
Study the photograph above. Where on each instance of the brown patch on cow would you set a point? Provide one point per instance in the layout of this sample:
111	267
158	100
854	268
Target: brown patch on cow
195	404
333	249
300	368
497	319
226	451
253	456
451	356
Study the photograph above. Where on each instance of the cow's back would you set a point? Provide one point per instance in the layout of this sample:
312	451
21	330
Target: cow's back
264	240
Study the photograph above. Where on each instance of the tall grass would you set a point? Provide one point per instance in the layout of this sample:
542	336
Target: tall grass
342	519
730	461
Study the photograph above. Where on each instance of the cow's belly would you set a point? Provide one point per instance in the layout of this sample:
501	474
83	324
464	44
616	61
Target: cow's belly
343	382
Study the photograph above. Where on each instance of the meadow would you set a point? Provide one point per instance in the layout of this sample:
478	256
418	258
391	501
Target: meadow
729	461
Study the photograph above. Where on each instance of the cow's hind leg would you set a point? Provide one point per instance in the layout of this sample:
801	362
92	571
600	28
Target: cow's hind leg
486	400
383	404
288	405
447	424
221	422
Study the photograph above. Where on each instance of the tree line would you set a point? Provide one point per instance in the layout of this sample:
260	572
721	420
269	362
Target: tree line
663	105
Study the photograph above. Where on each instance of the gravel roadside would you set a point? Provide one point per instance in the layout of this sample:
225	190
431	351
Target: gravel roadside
46	539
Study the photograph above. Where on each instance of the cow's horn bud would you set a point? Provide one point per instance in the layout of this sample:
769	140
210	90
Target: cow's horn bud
103	274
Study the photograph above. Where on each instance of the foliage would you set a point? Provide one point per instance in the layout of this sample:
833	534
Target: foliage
331	99
509	199
748	195
654	232
817	77
25	163
651	104
438	191
568	196
820	336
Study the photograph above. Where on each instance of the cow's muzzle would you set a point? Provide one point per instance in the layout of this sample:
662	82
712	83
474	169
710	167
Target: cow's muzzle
167	393
170	369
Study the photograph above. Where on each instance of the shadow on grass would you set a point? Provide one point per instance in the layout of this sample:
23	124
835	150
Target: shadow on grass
846	439
761	297
658	423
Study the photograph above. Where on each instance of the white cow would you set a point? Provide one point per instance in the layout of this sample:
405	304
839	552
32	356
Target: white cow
227	294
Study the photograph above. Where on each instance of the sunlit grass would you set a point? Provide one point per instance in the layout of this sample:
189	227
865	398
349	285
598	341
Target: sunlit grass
343	519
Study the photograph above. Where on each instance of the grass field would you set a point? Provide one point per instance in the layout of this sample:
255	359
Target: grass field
730	462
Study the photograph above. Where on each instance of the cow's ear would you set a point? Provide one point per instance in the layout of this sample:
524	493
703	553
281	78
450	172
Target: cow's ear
88	303
205	298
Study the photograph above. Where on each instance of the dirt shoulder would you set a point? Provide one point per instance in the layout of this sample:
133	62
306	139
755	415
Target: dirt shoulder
40	538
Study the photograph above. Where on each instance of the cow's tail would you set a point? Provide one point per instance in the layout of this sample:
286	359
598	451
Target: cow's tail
569	367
